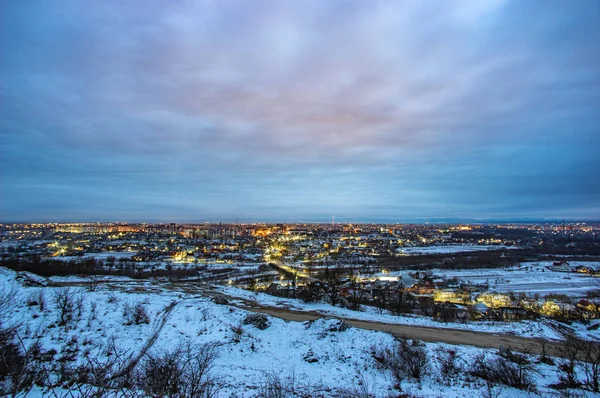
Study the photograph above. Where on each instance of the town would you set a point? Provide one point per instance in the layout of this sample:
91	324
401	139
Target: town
361	310
465	272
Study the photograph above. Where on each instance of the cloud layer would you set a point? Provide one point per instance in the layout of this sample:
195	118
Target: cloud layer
195	110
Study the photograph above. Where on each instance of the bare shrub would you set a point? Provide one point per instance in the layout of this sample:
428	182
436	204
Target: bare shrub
135	313
404	360
109	376
569	351
161	375
93	282
238	332
544	358
18	368
184	372
79	303
259	321
409	360
11	359
32	299
514	372
449	366
591	364
41	300
275	386
586	353
112	298
64	298
7	301
362	389
491	390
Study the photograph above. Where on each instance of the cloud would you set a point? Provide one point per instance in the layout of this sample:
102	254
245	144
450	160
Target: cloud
388	107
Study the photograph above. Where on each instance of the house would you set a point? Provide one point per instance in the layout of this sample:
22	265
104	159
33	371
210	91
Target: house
273	288
422	287
480	308
450	312
588	308
516	314
584	270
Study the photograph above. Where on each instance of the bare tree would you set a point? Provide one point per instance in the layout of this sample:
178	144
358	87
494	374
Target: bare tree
569	351
64	298
7	301
544	358
93	282
333	278
514	370
184	372
449	366
411	360
591	363
135	313
276	386
357	294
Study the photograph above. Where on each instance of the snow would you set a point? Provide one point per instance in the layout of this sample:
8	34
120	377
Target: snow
99	256
530	277
343	358
450	249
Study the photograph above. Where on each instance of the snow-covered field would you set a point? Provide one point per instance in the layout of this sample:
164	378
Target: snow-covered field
100	256
450	249
532	277
312	353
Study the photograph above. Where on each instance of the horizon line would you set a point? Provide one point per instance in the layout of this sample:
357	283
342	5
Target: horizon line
418	220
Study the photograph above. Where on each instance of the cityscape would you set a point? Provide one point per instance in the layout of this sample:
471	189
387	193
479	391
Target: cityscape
539	283
299	199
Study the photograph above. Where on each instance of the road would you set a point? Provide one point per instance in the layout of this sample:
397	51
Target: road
286	268
428	334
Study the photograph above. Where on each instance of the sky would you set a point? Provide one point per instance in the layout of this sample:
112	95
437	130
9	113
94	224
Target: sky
206	110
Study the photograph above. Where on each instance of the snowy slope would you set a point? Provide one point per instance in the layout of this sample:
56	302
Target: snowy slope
311	353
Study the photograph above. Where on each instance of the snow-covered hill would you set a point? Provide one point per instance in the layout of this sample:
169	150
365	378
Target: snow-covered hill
320	358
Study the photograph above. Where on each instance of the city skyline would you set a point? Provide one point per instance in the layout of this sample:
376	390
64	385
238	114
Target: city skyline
383	111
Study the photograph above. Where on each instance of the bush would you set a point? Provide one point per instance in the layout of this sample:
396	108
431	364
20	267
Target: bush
449	367
411	360
514	371
570	351
64	298
112	298
274	386
7	301
337	325
238	332
135	314
32	300
404	360
361	389
11	357
184	372
18	370
259	321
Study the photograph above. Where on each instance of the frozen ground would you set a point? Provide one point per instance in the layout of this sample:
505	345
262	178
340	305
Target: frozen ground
99	256
531	277
310	352
451	249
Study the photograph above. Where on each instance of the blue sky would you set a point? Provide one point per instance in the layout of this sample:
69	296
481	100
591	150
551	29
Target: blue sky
292	110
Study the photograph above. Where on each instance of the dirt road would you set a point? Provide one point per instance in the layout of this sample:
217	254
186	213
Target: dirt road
428	334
